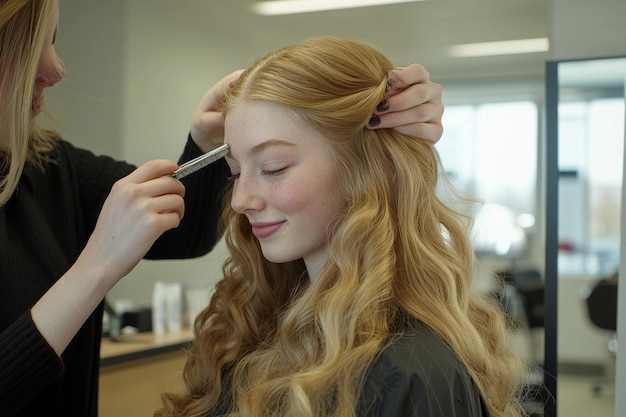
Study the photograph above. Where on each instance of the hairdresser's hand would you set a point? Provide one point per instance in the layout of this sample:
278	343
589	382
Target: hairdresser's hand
139	208
413	105
207	125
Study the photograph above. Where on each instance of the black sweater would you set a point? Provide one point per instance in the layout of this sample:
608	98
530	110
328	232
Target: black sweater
43	229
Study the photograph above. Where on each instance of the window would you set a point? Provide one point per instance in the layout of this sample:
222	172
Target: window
591	151
489	152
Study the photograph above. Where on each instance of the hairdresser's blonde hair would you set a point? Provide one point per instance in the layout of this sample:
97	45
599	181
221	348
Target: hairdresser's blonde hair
24	26
279	345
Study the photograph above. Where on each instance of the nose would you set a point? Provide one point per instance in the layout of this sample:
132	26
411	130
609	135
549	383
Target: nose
51	71
246	197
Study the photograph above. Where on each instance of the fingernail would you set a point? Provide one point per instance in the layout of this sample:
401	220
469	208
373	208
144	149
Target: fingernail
374	121
382	106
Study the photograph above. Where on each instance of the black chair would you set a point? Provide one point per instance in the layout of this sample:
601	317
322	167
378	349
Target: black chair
601	302
527	287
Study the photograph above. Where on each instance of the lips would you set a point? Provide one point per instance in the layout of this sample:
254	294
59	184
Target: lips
265	230
35	107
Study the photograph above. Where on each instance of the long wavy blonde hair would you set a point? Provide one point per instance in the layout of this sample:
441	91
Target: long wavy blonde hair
271	343
24	26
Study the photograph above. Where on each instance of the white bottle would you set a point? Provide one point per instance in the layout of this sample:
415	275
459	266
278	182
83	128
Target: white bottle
174	307
158	308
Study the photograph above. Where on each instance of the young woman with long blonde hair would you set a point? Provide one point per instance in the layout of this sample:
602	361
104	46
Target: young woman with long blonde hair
349	287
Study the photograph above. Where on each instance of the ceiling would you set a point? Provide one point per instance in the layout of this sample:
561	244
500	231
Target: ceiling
410	32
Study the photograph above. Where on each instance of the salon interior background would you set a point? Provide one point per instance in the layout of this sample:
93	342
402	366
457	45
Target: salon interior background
137	68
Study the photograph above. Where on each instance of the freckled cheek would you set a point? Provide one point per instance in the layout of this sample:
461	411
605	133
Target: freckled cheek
292	199
312	202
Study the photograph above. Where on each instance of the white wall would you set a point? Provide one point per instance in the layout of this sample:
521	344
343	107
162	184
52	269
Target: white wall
135	73
171	59
583	28
90	100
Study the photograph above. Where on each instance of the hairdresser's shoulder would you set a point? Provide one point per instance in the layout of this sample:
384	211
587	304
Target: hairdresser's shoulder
87	162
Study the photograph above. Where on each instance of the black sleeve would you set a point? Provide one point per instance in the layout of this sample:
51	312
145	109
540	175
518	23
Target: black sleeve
199	230
27	365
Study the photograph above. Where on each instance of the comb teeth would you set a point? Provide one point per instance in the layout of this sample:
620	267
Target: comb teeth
200	162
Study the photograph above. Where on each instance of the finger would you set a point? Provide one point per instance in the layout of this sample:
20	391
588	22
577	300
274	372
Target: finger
163	185
153	216
214	98
170	220
151	170
413	96
167	204
398	79
427	112
214	120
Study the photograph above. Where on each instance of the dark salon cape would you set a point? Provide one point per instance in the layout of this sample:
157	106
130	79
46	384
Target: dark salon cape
418	375
43	229
415	375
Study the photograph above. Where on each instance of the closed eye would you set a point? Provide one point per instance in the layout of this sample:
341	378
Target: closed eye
274	172
271	173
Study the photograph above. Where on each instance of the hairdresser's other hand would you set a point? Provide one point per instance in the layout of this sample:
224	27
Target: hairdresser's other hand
413	105
207	125
139	208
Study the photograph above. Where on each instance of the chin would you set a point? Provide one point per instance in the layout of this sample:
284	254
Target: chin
34	111
278	258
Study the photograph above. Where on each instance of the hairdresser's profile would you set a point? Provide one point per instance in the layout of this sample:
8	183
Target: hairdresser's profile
72	224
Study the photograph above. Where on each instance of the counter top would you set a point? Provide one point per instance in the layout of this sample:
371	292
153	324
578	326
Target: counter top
126	348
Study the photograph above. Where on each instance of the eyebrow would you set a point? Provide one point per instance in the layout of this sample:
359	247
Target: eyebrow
268	144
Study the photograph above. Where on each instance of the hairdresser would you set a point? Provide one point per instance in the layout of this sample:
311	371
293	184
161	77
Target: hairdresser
72	224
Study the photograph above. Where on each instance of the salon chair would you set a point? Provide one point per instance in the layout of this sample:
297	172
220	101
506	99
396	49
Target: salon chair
528	285
601	302
525	289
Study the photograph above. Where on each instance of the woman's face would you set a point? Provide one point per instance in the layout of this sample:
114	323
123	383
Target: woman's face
50	69
286	182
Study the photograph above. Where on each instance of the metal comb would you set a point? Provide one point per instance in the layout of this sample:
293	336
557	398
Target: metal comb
200	162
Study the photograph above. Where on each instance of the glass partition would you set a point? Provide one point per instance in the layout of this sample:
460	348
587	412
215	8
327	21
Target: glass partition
584	166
